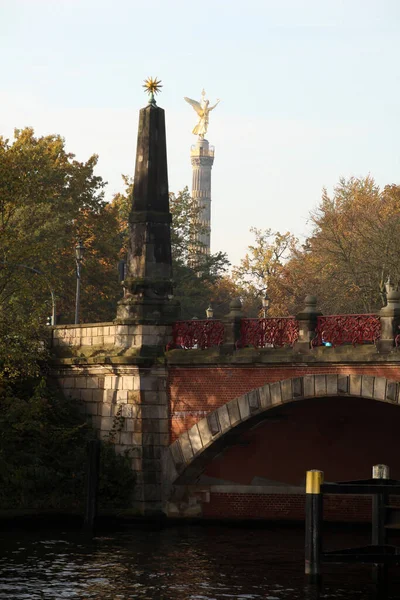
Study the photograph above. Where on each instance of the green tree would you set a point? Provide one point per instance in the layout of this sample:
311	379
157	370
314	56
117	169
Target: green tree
195	274
43	444
48	201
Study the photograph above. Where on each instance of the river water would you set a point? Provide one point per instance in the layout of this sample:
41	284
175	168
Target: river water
176	563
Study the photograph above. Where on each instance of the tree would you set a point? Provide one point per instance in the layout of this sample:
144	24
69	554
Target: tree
352	249
43	451
48	201
263	270
195	277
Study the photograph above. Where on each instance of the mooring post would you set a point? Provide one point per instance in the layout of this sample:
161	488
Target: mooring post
379	501
92	484
379	507
313	542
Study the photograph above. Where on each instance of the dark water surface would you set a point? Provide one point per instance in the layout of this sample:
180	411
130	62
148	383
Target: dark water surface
188	562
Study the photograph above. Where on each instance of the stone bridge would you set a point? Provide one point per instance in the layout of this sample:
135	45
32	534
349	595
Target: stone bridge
230	431
223	418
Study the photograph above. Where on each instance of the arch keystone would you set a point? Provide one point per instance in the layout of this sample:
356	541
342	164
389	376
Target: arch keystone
244	407
213	423
233	410
204	431
320	385
355	385
309	386
254	400
265	396
380	388
392	392
332	385
186	447
195	439
367	386
297	385
223	417
286	390
276	393
343	384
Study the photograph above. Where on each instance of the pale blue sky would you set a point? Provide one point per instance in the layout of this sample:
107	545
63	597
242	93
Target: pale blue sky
310	92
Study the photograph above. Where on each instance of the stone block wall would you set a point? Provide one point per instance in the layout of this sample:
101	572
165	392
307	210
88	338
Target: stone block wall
108	335
123	393
129	404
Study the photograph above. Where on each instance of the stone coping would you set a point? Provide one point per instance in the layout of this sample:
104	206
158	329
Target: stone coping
362	354
80	325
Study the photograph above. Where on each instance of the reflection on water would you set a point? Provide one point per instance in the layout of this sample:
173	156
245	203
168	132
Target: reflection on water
189	562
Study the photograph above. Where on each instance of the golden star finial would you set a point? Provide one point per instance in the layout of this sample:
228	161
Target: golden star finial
152	86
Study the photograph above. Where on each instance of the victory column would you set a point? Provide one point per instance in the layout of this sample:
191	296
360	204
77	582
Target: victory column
202	157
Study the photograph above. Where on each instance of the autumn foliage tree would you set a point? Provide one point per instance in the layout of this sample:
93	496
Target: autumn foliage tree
345	261
262	271
352	249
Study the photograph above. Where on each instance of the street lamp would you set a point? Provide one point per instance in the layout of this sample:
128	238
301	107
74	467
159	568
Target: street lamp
209	312
79	250
265	301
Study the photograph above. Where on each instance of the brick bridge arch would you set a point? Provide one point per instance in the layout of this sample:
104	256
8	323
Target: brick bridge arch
188	455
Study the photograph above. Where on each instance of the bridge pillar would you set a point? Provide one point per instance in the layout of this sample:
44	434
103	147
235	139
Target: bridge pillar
232	323
390	321
307	320
148	300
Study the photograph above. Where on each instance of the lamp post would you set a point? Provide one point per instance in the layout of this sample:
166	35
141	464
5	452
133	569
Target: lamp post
265	301
209	312
79	250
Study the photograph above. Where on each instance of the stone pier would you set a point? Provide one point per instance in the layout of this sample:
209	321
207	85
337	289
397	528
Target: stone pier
118	368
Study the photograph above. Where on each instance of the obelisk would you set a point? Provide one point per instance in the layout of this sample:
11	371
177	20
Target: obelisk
202	158
148	279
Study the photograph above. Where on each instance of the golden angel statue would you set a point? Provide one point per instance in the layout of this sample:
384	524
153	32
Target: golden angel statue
203	110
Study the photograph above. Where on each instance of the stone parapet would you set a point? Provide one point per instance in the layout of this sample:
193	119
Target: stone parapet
109	336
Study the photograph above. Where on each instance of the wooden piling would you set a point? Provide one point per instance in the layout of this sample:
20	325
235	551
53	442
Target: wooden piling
379	502
313	522
92	484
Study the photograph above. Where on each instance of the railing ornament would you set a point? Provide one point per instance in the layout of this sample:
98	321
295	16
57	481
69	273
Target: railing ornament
197	334
276	332
335	330
269	332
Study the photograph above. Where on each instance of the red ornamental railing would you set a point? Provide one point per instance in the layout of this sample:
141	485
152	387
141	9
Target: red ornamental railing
347	329
273	332
198	334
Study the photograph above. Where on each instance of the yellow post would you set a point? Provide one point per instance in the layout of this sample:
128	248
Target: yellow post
314	480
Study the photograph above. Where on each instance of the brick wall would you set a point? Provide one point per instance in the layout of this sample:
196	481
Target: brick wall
195	391
354	509
282	507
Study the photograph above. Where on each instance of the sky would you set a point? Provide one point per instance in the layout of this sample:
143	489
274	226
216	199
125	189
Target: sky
309	93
